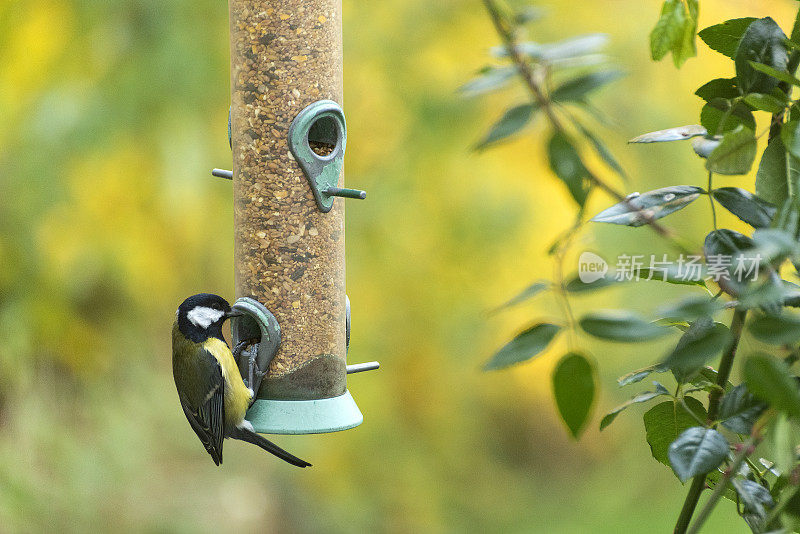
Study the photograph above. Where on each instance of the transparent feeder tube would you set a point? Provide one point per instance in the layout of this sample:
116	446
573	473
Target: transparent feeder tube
289	256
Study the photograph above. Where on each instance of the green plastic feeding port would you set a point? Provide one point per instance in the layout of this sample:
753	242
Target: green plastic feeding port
317	139
274	416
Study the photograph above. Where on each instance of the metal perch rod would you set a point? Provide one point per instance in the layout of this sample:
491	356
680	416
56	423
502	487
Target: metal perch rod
222	173
360	367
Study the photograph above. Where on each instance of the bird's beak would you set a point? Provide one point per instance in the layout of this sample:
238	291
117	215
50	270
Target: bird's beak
233	313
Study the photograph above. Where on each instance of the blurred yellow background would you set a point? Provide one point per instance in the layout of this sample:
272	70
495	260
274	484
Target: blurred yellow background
111	116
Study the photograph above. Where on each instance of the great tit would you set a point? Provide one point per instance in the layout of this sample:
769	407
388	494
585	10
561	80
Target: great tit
211	390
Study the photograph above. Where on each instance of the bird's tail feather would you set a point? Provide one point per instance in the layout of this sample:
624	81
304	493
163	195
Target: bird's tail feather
251	437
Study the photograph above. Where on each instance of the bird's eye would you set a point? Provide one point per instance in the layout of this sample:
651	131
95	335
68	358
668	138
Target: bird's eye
215	306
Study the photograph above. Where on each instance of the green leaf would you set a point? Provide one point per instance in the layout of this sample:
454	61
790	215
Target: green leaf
776	329
639	374
774	245
512	121
679	133
780	75
576	89
568	48
674	32
526	345
697	451
576	285
755	211
724	242
715	477
666	421
713	113
755	497
639	209
573	388
790	135
566	163
700	343
791	295
674	273
735	154
762	42
766	292
704	146
602	151
692	308
490	79
725	37
710	374
724	88
768	103
620	325
795	36
771	184
770	380
784	441
527	293
638	399
730	258
739	410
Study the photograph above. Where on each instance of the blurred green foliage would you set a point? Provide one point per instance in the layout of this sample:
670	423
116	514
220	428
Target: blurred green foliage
112	115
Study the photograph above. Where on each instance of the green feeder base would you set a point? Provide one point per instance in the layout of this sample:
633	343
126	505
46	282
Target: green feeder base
304	416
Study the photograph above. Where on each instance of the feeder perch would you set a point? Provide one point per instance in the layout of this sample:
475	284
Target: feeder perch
288	138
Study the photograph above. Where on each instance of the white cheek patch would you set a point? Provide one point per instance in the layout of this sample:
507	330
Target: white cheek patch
202	316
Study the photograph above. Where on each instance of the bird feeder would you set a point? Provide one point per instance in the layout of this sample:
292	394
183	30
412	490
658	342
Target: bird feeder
288	136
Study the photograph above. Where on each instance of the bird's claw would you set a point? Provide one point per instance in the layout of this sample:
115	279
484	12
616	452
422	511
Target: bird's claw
254	374
237	350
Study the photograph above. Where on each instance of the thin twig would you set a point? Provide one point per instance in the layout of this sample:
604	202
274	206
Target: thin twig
526	72
711	199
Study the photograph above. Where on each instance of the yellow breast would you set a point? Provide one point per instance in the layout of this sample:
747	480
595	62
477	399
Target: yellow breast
237	396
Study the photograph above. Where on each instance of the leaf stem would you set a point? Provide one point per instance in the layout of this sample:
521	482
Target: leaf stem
711	199
724	373
506	33
558	275
756	471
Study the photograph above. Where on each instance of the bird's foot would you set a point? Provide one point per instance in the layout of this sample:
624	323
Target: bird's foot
254	374
237	350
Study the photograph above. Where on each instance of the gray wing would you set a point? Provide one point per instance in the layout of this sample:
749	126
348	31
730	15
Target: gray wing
208	417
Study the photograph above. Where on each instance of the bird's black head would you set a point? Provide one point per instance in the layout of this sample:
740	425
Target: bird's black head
201	316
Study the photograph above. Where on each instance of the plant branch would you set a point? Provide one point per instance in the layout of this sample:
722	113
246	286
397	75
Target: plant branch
506	33
724	373
726	363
